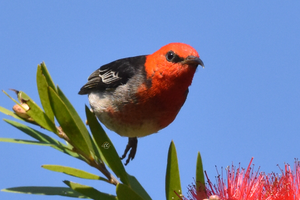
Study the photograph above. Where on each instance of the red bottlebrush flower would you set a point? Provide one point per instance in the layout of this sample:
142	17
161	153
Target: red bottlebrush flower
194	193
241	184
245	184
285	186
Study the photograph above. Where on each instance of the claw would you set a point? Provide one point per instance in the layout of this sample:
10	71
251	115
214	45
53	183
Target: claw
132	146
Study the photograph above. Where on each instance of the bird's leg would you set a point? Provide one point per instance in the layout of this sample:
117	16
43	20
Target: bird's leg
132	145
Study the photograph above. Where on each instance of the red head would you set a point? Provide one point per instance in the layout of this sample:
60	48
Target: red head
174	63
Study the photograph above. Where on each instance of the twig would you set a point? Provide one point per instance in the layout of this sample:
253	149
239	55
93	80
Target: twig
92	162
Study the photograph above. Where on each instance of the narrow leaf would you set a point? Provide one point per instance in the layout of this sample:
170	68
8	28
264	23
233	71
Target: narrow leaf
43	138
47	76
68	123
77	119
200	181
108	151
173	186
125	193
90	191
42	86
97	133
33	133
10	97
73	172
20	141
61	191
137	187
10	113
68	105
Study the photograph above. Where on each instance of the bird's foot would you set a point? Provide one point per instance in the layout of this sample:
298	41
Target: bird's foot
132	146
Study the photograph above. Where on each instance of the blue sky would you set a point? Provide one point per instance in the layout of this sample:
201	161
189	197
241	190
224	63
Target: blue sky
245	103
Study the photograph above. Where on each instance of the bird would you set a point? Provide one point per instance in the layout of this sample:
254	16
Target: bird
138	96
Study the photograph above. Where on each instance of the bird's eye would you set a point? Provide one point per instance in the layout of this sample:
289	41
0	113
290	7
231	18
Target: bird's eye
170	56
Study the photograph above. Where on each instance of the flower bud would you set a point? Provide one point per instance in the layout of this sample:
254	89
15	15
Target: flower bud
21	111
214	197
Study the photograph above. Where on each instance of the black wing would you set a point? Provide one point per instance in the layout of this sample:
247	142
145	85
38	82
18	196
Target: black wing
113	74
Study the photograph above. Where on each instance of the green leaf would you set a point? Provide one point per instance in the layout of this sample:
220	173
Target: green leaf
97	132
33	133
77	118
68	104
125	193
108	151
73	172
199	172
90	191
43	138
61	191
10	97
200	181
137	187
172	175
71	127
47	76
20	141
37	114
42	86
80	124
10	113
81	135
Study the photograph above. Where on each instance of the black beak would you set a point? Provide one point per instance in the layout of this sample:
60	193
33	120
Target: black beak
193	60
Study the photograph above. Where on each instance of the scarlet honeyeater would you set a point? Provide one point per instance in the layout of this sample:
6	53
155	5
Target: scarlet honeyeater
138	96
